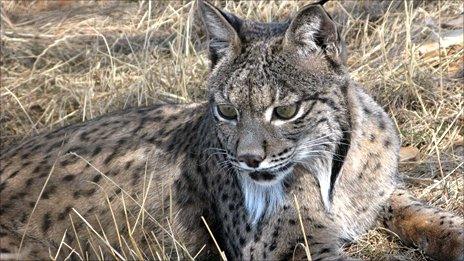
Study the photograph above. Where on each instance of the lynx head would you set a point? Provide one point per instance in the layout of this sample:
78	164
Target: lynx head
276	91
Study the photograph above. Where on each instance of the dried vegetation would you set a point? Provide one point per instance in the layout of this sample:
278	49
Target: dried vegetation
70	61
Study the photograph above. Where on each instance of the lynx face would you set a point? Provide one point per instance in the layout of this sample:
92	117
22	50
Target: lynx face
276	94
275	100
268	122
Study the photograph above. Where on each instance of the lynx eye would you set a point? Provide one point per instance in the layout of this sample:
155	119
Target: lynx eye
227	112
285	112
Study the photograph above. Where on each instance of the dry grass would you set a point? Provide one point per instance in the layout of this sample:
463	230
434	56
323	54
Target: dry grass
65	62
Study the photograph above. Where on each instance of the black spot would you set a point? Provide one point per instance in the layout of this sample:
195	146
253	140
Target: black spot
135	177
275	233
386	143
69	161
110	157
224	196
372	137
390	209
122	141
48	191
97	178
23	218
68	177
234	221
13	174
128	164
19	195
76	194
5	207
96	151
25	164
91	210
83	136
382	124
273	246
25	155
248	227
65	213
37	169
283	152
319	226
292	222
367	111
46	222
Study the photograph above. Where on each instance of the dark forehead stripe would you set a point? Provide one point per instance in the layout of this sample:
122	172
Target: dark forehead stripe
326	100
252	89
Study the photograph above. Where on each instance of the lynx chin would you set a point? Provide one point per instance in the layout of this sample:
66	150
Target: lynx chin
282	120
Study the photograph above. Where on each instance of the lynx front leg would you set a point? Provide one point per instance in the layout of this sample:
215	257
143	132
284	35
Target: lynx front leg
323	252
278	242
318	251
438	233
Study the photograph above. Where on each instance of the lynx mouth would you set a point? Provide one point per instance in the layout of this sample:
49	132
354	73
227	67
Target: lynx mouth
270	175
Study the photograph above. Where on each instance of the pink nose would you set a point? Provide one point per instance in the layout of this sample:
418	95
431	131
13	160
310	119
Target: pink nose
250	160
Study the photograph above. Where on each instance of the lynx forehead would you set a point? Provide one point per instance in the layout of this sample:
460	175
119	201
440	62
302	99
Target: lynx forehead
283	122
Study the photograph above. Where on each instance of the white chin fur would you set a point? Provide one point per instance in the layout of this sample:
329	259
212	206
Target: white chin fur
262	199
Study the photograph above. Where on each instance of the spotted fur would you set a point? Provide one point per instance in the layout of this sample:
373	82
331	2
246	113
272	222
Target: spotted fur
337	156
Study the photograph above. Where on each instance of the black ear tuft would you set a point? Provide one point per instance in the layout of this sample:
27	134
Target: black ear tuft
222	30
313	29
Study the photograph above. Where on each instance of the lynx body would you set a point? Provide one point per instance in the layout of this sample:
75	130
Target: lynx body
283	124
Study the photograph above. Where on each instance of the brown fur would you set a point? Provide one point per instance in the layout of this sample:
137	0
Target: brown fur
340	157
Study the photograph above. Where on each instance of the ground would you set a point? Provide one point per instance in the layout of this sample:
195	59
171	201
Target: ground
70	61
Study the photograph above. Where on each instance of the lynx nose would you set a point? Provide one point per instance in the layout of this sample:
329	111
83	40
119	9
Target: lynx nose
250	160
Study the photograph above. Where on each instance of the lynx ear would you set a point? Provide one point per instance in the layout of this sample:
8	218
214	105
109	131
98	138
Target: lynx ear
313	29
222	30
